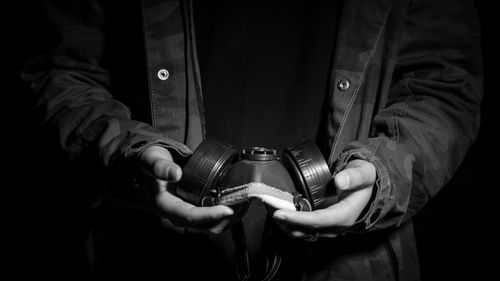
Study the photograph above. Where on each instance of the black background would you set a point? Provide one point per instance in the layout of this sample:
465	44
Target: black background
457	232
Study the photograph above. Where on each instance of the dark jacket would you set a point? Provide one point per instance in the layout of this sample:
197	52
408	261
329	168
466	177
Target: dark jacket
411	106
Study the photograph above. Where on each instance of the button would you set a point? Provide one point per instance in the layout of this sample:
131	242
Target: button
163	74
343	85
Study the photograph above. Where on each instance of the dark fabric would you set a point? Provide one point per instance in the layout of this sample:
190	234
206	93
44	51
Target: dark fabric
434	99
262	65
412	107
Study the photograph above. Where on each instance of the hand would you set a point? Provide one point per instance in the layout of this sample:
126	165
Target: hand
354	185
157	163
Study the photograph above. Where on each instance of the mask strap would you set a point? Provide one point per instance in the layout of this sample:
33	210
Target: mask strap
242	258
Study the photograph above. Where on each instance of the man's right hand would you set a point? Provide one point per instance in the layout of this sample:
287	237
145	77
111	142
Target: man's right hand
157	164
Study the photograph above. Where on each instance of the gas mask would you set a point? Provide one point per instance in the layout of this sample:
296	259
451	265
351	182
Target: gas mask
297	179
217	173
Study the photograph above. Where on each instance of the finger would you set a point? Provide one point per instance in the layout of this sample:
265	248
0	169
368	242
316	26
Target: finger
335	215
357	174
274	202
239	211
168	224
166	170
304	233
297	231
342	214
219	227
212	227
299	234
356	202
173	207
156	161
198	215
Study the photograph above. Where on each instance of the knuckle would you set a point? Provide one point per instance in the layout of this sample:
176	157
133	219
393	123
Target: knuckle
190	218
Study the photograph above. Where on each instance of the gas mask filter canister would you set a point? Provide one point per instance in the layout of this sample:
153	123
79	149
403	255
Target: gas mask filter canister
217	173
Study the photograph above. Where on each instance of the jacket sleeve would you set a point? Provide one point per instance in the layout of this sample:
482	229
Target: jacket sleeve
432	114
71	90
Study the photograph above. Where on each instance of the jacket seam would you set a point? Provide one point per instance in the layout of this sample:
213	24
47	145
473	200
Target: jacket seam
356	90
148	60
194	60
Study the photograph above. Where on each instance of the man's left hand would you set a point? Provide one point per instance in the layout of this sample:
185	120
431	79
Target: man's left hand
354	186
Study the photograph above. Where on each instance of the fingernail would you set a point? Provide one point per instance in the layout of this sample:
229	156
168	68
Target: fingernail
342	181
174	174
228	212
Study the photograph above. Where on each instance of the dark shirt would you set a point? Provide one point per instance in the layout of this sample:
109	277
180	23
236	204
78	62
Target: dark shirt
265	68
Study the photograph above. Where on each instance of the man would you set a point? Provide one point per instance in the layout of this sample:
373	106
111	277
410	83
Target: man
397	109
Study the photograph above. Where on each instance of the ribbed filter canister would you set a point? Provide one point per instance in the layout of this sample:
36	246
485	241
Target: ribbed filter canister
203	169
309	171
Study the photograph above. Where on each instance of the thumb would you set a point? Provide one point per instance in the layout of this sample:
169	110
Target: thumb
357	174
157	162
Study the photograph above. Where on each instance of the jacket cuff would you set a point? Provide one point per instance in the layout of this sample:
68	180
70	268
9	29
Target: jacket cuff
373	210
134	146
125	177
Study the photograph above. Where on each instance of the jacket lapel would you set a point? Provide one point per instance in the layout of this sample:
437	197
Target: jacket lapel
360	28
175	95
